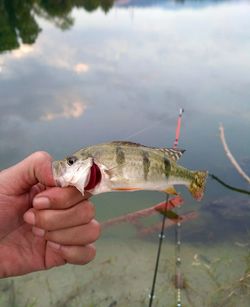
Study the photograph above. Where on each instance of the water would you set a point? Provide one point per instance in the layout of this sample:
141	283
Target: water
84	72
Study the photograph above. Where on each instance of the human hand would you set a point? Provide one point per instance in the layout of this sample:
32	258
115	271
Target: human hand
42	226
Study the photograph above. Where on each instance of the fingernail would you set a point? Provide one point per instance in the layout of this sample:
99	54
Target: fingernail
38	231
53	245
41	202
29	217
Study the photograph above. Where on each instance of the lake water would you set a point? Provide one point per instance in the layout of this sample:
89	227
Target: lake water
75	73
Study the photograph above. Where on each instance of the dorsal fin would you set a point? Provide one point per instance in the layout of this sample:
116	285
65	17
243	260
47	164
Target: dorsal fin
120	143
173	153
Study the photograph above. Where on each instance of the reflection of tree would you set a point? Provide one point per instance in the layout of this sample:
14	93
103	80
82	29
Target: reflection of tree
18	23
62	20
106	5
89	5
57	8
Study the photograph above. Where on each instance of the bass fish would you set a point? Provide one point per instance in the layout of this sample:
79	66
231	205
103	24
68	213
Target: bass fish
127	166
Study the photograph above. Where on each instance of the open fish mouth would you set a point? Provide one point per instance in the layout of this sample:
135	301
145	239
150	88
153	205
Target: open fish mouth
84	175
95	177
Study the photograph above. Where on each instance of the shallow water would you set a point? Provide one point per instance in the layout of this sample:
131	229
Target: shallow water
81	73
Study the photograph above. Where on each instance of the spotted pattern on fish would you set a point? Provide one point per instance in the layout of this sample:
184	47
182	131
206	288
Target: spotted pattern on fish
120	156
146	164
130	166
172	153
167	166
83	154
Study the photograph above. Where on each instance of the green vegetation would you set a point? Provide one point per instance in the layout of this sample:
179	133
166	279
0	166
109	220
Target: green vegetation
18	22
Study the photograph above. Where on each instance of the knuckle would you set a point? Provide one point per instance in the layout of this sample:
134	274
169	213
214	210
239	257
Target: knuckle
51	236
41	155
96	227
87	211
69	196
42	220
59	197
91	252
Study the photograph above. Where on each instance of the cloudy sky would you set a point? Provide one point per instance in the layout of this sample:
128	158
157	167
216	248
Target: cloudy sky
124	75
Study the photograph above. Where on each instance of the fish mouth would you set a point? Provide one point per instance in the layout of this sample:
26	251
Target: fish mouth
94	177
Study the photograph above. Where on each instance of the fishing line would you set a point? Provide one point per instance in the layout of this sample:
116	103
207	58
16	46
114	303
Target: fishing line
229	186
178	229
162	236
144	129
140	131
178	276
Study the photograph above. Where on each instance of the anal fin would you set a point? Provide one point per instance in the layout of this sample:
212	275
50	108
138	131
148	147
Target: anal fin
170	190
126	189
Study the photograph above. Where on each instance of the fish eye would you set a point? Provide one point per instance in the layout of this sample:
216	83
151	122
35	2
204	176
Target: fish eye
71	160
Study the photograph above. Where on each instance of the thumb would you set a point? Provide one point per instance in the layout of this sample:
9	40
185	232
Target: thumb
18	179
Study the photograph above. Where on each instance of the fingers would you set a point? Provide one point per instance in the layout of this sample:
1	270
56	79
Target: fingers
67	224
65	219
79	235
21	177
74	254
58	198
49	220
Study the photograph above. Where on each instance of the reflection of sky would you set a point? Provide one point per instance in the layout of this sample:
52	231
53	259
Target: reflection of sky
114	75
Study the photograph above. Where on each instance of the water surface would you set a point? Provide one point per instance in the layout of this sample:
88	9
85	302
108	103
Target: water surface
84	72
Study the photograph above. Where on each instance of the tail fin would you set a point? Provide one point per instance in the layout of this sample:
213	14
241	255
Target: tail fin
197	185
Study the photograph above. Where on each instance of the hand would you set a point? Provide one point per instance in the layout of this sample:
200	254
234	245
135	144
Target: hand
42	226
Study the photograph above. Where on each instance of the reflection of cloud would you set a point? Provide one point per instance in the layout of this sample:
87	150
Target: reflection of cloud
73	110
231	110
8	61
197	66
81	67
2	65
68	60
64	63
14	133
23	51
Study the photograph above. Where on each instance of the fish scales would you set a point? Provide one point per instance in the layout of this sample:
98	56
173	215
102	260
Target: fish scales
128	166
131	157
137	163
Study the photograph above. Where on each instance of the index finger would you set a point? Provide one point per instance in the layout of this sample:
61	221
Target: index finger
58	198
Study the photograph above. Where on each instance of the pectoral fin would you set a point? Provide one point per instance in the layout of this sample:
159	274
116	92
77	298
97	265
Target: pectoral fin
170	190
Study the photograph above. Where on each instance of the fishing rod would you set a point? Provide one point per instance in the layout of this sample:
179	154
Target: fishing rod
162	236
178	275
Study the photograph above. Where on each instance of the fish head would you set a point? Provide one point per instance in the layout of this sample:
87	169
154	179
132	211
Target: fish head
72	171
84	173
